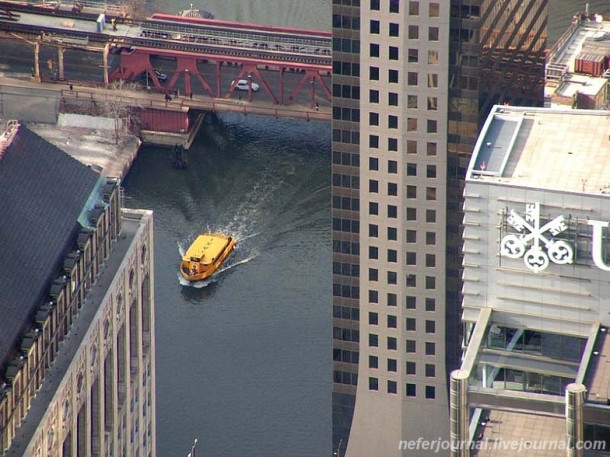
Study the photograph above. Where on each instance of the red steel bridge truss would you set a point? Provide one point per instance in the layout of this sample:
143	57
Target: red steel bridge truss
135	62
197	43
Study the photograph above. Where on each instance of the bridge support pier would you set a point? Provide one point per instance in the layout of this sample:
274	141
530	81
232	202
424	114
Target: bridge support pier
105	63
36	72
60	63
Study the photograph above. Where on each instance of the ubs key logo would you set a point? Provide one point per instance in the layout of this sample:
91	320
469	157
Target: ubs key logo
529	244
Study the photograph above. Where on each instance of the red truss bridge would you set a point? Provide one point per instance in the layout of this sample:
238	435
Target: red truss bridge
178	54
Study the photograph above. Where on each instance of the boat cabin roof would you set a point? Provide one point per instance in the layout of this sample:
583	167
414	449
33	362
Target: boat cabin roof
206	248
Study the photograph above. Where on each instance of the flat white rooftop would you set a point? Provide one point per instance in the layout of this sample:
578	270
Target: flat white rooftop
567	150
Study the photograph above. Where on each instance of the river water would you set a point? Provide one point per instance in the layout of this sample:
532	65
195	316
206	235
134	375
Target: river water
244	363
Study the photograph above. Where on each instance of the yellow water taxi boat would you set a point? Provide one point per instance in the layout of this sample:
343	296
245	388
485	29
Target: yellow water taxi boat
205	256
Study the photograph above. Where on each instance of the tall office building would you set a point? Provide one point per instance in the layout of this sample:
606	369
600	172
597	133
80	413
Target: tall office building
77	366
412	83
534	377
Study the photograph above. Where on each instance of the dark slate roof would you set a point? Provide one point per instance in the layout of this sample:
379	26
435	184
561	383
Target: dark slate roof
43	191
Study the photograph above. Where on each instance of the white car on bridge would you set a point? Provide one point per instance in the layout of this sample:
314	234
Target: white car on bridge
242	84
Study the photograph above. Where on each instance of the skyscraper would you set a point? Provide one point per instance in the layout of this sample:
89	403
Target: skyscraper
412	83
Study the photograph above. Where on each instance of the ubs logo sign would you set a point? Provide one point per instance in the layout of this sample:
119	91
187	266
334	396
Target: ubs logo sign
535	243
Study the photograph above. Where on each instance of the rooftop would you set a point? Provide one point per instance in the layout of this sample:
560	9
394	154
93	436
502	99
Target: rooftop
506	434
44	191
566	150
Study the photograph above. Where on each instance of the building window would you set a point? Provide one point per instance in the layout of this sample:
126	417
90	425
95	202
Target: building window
431	126
411	147
430	349
373	274
432	104
373	384
392	277
430	393
392	189
394	29
430	327
411	78
373	361
410	389
394	4
412	55
374	50
411	169
373	141
413	32
432	33
392	299
430	216
431	149
432	80
412	101
411	124
373	296
373	186
411	280
374	73
373	163
393	99
430	171
392	255
392	321
413	8
393	76
433	57
430	238
410	324
434	9
393	53
430	282
430	370
375	5
373	318
392	121
374	340
392	144
373	231
411	368
430	260
411	191
392	211
373	208
373	252
410	302
411	258
373	96
431	193
391	342
411	346
392	235
374	27
411	236
373	118
392	166
411	214
392	388
392	365
430	304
